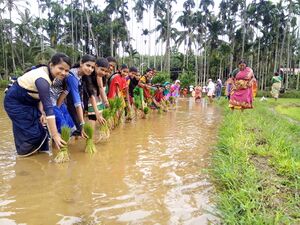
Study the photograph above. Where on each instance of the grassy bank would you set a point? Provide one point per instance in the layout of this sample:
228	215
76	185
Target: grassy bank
256	166
4	83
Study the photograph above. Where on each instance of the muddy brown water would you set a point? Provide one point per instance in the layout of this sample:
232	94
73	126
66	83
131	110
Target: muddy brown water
150	172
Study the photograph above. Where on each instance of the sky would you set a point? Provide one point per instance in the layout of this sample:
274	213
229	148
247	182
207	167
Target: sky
139	42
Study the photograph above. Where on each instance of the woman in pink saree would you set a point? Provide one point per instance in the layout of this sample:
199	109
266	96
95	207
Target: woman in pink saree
241	96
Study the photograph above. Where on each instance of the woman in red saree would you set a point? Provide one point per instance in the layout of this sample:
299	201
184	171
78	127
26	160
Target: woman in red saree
241	96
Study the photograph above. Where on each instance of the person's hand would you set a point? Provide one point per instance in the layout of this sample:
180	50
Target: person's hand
43	119
83	134
101	120
106	104
59	142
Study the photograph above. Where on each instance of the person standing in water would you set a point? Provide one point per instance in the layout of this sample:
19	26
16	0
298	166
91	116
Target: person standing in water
218	89
91	92
74	85
175	89
211	90
28	100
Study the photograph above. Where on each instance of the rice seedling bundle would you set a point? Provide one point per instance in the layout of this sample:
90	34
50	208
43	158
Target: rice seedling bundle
104	128
146	110
90	146
63	155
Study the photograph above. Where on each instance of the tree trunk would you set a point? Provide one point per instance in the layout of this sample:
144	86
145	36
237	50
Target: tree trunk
168	51
196	66
297	85
111	37
220	69
232	51
258	58
244	31
11	43
72	31
288	61
42	35
90	29
2	41
161	56
127	32
149	37
276	50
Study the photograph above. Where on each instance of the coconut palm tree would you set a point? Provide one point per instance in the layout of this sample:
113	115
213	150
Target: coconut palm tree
11	5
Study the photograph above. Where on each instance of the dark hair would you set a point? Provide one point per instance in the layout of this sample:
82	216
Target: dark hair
84	59
58	58
102	62
276	74
242	61
124	66
148	70
133	69
35	67
111	59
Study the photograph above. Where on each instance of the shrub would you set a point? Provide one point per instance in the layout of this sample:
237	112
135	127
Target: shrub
161	77
4	83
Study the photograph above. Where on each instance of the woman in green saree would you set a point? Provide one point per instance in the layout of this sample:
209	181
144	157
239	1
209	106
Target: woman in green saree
276	85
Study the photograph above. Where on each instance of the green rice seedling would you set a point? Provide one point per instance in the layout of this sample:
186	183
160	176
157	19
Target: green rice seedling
104	129
159	110
112	106
90	146
63	155
172	100
119	102
146	110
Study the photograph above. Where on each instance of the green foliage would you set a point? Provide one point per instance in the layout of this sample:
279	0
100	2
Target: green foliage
291	110
256	167
90	146
287	94
66	133
88	130
146	110
63	155
106	114
4	83
187	79
161	77
118	103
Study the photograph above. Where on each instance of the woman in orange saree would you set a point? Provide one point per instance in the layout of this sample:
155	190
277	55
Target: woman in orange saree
241	96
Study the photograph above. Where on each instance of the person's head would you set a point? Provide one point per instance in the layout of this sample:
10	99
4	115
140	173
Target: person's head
153	71
242	64
276	74
124	70
133	71
167	85
177	82
148	73
87	64
59	65
160	88
209	80
102	67
112	63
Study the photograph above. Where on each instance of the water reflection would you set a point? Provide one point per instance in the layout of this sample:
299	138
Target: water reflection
150	172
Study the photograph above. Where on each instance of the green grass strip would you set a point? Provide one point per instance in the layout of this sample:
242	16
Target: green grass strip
256	167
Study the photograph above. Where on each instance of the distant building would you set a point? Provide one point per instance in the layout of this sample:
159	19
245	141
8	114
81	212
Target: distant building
290	70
